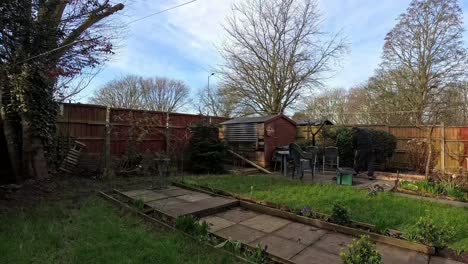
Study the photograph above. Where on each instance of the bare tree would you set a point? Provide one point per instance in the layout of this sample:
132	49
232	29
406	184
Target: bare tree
163	94
424	53
125	92
275	50
216	101
68	87
331	104
135	92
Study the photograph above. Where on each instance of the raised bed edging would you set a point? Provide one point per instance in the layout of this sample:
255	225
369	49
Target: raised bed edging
263	207
428	195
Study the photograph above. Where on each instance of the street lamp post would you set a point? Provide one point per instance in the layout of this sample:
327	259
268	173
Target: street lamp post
209	81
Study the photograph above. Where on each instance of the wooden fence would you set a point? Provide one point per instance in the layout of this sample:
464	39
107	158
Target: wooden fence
159	131
451	143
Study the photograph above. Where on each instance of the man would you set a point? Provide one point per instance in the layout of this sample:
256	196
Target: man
364	159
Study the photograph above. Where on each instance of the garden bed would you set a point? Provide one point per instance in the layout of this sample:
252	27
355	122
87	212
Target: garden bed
386	211
433	190
357	229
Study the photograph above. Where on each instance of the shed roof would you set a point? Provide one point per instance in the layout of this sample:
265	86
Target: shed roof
314	122
256	119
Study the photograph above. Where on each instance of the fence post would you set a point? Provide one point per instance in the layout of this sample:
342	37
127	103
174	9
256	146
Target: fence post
167	133
107	152
442	148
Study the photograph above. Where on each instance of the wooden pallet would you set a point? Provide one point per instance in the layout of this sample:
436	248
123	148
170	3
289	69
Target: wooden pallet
73	156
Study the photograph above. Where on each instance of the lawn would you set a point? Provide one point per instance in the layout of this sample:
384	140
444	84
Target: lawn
386	210
93	232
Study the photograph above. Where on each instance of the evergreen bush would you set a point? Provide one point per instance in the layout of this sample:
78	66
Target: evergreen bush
206	151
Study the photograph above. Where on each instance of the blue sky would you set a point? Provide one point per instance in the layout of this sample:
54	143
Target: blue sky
181	43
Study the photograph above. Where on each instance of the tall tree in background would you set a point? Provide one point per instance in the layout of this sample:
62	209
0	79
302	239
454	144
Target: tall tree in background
218	101
275	50
134	92
39	42
424	53
163	94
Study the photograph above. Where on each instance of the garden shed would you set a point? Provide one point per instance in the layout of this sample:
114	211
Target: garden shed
256	138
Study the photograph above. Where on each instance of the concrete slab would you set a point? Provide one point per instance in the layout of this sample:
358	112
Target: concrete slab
150	196
176	192
135	193
439	260
193	197
237	214
265	223
212	203
240	233
301	233
279	246
392	254
312	255
216	223
333	243
170	206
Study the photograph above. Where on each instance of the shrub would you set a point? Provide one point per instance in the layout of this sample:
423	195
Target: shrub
384	144
417	153
428	233
206	151
340	215
361	251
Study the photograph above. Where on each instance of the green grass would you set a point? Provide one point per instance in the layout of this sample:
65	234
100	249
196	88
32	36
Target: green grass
93	233
436	189
386	210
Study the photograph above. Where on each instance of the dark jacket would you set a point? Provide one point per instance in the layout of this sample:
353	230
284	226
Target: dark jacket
362	139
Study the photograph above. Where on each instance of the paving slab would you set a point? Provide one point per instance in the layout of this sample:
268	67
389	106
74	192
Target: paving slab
237	214
170	206
391	254
240	233
265	223
439	260
216	223
176	192
333	242
211	203
301	233
150	196
193	197
312	255
135	193
279	246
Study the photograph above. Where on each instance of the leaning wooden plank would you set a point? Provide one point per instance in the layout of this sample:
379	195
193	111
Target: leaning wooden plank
249	162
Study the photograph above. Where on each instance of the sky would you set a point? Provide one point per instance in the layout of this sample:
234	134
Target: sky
181	43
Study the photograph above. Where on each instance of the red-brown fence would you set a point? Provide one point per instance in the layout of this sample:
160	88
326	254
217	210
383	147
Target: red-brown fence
162	132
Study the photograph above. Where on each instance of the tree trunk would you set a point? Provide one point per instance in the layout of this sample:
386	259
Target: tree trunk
34	162
429	153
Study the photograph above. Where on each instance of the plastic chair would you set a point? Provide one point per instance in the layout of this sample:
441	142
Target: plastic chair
299	157
330	155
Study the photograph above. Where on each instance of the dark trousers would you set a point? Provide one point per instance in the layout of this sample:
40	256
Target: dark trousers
365	161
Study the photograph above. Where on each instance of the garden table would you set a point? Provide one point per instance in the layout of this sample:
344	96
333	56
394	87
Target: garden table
284	161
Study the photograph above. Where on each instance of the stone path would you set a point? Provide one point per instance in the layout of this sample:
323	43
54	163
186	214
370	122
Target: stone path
296	242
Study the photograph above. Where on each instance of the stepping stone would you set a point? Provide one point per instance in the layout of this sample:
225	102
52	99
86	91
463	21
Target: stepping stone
150	196
216	223
193	197
439	260
279	246
237	214
240	233
312	255
392	254
333	242
135	193
265	223
206	205
301	233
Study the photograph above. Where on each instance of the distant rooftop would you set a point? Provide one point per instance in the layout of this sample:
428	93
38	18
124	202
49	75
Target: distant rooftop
314	122
253	119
